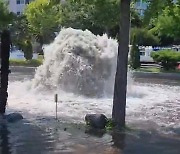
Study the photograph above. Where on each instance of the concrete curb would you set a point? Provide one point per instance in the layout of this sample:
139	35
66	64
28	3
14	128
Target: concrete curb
171	76
22	69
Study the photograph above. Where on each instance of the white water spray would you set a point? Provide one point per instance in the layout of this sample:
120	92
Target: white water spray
79	62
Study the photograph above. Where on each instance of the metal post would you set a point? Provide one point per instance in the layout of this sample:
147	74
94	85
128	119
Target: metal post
56	100
5	49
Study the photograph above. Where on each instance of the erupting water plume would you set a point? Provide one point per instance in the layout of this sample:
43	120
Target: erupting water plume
79	62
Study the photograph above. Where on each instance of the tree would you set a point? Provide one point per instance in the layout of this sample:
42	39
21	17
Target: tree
134	54
44	17
136	19
28	51
154	9
103	11
120	87
21	36
168	23
20	30
96	15
93	15
144	37
77	14
5	16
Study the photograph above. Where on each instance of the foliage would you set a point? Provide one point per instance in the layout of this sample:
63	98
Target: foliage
110	125
162	17
5	16
167	58
154	9
157	70
21	36
134	55
99	16
20	31
93	15
144	37
103	12
43	17
136	19
77	14
28	51
168	23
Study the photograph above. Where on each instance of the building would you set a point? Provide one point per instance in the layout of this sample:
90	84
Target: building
17	6
141	6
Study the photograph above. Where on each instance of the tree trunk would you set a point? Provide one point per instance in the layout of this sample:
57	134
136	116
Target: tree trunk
120	87
5	48
41	42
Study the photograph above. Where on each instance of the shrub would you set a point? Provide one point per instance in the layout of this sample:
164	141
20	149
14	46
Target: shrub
26	47
28	52
167	58
144	37
134	55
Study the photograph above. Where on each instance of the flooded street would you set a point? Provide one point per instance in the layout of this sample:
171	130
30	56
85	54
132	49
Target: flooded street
153	120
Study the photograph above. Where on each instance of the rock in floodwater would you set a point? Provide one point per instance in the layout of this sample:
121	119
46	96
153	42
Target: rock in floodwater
98	121
13	117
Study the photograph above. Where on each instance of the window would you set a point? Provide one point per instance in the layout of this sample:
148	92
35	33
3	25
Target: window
142	53
18	13
138	4
27	2
19	1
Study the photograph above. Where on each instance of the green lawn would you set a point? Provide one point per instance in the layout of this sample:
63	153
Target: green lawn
38	62
32	63
156	70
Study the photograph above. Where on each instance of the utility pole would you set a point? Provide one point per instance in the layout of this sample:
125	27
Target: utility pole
5	50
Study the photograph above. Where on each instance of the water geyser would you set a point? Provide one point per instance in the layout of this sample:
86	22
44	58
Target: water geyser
80	62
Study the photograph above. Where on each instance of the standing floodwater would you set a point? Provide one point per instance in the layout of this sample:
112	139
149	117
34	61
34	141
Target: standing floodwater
79	66
152	113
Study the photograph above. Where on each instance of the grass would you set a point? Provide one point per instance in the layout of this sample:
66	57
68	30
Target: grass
157	70
110	125
39	61
32	63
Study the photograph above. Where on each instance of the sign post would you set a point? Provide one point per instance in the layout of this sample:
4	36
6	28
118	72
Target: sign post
56	100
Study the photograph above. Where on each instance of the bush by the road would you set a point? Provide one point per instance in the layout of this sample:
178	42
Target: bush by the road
134	60
167	58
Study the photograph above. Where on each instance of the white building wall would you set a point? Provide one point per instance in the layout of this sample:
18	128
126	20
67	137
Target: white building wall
17	8
141	6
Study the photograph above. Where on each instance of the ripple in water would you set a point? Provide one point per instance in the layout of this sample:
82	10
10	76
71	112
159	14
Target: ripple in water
79	64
